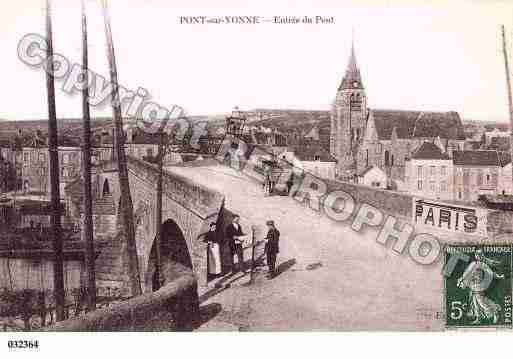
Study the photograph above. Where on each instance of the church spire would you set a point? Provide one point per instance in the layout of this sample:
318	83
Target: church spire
352	78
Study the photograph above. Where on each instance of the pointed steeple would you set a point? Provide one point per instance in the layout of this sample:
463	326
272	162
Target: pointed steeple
352	78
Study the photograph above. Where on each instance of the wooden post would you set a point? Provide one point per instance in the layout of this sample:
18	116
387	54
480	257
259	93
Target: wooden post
126	205
508	84
252	254
86	162
55	216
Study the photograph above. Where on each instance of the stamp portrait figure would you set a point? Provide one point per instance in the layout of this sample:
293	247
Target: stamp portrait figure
477	278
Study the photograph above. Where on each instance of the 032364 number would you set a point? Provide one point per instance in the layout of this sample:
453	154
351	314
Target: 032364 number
23	344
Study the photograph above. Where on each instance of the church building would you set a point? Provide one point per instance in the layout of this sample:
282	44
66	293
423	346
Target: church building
361	137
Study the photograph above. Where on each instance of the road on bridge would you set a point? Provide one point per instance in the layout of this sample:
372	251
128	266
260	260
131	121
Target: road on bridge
330	277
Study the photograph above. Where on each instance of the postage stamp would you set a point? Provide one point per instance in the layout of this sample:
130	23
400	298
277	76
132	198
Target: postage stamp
478	291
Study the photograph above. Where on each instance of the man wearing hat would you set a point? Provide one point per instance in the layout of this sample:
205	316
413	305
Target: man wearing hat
234	236
272	247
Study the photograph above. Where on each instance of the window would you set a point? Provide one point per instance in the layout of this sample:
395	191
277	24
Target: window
459	194
443	170
419	184
387	158
487	178
25	156
479	179
106	188
317	158
432	170
466	175
432	186
65	158
419	171
443	186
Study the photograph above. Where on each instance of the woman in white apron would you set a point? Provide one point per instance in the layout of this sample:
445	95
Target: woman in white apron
213	251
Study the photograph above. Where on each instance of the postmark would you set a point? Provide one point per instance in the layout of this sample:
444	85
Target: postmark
478	291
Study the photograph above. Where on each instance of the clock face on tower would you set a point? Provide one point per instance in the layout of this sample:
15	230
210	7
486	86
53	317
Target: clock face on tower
355	84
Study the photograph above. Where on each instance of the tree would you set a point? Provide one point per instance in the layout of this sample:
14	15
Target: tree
86	161
126	206
55	217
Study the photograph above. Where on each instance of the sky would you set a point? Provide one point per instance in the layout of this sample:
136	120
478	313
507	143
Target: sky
413	55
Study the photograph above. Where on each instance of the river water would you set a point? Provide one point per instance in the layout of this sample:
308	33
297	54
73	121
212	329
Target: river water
19	274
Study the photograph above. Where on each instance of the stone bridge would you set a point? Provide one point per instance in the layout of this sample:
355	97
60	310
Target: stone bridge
187	209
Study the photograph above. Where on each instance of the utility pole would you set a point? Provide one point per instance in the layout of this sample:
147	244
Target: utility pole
510	100
253	245
126	205
55	216
86	162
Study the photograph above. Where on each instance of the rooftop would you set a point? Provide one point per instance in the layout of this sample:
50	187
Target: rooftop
415	124
429	151
481	158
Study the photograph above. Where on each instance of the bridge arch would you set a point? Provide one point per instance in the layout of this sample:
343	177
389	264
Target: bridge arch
174	253
187	206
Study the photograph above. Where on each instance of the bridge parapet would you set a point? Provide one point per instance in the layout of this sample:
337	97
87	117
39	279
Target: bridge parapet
201	200
400	205
177	298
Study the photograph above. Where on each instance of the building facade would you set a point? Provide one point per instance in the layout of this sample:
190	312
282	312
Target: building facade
479	172
429	173
373	176
311	157
35	173
462	177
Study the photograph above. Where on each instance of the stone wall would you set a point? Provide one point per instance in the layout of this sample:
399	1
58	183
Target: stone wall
399	205
177	299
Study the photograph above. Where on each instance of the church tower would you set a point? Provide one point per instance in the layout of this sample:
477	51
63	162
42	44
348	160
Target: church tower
348	120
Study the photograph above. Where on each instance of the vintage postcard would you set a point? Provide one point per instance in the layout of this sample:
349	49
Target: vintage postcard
170	166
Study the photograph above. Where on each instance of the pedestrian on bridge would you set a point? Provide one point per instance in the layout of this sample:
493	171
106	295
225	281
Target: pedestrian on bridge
234	235
272	247
290	183
267	184
213	251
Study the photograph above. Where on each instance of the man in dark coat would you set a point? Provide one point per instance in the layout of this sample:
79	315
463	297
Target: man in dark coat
272	246
233	234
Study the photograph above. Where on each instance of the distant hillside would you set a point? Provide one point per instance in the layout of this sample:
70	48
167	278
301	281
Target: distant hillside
489	125
32	125
73	126
285	119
